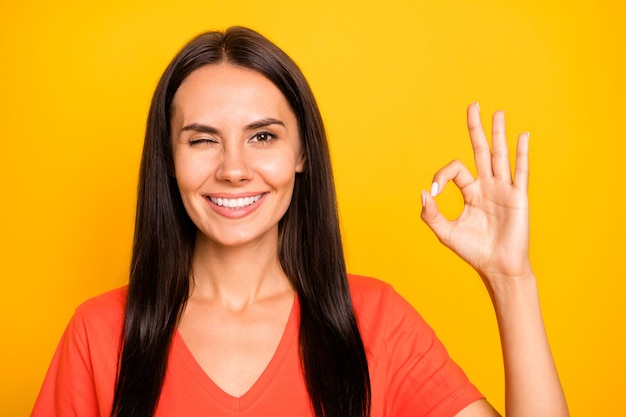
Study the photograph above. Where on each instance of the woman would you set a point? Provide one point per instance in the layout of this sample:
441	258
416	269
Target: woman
238	300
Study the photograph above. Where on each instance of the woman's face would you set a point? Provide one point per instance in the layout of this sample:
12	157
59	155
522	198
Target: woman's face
236	149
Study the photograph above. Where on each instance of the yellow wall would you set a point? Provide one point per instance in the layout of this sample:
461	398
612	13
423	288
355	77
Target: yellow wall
393	79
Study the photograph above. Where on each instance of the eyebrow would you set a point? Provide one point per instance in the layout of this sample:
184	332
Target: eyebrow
199	127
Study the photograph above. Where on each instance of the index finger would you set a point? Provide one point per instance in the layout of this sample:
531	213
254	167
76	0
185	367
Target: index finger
482	152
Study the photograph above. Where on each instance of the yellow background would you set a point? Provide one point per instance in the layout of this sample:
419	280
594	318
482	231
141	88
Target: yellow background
393	79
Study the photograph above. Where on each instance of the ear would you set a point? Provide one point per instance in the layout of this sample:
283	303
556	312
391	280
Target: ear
301	162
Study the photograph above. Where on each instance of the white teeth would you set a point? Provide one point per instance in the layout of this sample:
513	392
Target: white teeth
235	202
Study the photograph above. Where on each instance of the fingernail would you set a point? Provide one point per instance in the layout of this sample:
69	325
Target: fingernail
434	189
478	106
423	198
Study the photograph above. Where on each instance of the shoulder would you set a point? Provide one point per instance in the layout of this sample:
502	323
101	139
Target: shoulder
81	376
368	293
102	312
362	286
380	308
110	302
387	320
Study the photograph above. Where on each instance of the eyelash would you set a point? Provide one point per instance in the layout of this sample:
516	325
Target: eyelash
268	137
194	142
257	138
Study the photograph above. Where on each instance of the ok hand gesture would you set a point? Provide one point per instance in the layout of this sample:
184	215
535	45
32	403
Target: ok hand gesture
491	234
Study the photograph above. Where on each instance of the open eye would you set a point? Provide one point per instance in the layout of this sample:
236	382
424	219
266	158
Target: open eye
263	137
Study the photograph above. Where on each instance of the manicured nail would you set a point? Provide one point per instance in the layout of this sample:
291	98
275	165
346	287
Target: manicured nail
423	198
434	189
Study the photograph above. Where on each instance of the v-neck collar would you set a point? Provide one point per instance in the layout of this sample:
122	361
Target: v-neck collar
240	404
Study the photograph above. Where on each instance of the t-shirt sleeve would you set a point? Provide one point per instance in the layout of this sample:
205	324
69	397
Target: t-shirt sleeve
81	378
68	389
422	376
410	370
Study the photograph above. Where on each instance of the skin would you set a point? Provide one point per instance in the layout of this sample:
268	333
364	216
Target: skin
234	134
492	235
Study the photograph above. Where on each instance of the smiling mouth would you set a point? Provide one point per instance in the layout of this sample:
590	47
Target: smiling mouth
235	203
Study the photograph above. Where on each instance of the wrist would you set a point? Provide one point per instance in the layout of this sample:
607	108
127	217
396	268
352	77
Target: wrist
504	288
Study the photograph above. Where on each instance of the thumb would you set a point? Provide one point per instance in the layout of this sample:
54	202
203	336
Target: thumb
433	218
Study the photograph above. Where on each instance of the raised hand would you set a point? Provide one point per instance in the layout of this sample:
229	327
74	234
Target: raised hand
491	234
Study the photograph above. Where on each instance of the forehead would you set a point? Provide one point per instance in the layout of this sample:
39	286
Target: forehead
227	88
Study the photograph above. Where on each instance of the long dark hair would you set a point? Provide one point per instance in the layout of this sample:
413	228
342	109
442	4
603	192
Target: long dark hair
310	249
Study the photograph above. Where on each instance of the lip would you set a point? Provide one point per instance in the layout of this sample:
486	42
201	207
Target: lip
235	212
235	195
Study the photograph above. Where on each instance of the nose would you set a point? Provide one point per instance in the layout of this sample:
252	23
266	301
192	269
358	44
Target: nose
233	166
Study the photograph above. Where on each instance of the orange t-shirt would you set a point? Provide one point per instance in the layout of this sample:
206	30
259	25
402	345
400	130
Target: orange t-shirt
410	371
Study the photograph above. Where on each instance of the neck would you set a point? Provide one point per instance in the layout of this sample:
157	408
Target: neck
237	276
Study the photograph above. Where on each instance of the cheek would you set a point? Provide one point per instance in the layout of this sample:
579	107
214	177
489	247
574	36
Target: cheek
190	172
279	171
